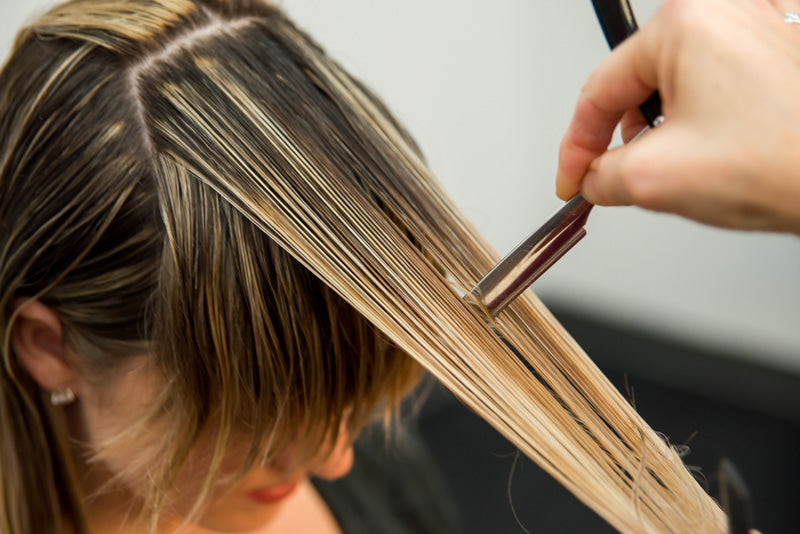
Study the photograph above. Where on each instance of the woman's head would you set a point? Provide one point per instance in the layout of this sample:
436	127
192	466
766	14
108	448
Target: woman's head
143	145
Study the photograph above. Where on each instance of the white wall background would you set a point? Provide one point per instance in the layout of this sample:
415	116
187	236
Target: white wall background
488	88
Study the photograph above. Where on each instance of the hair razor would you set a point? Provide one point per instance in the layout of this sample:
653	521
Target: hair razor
539	251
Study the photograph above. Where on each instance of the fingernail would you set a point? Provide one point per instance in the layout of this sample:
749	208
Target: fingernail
560	191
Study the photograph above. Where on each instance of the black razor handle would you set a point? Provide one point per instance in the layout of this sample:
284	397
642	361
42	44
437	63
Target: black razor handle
618	23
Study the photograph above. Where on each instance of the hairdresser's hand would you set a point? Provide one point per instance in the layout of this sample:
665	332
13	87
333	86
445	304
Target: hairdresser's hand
729	151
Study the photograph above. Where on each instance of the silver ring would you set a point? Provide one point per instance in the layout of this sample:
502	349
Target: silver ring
791	18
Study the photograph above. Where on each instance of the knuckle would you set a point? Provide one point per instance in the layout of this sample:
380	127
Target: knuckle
693	17
683	10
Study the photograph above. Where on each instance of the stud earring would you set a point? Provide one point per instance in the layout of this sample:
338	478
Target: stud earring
792	18
62	397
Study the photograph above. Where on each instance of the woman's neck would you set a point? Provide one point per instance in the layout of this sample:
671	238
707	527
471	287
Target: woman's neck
304	512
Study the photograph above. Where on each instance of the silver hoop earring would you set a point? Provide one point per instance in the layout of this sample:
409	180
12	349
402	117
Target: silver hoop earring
792	18
62	397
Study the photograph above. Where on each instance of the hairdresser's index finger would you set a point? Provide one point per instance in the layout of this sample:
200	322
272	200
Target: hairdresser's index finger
621	82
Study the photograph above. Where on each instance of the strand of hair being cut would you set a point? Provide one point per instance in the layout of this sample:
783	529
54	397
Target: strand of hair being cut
380	231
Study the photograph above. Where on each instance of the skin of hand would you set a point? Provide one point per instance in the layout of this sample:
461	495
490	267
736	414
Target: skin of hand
728	153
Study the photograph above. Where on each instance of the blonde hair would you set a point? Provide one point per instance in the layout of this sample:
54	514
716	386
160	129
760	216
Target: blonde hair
167	169
136	247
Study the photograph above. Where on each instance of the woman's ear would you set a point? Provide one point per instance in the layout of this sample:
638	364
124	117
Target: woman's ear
38	343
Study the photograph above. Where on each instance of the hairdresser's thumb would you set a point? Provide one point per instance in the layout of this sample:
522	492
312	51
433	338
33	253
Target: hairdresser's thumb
632	174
